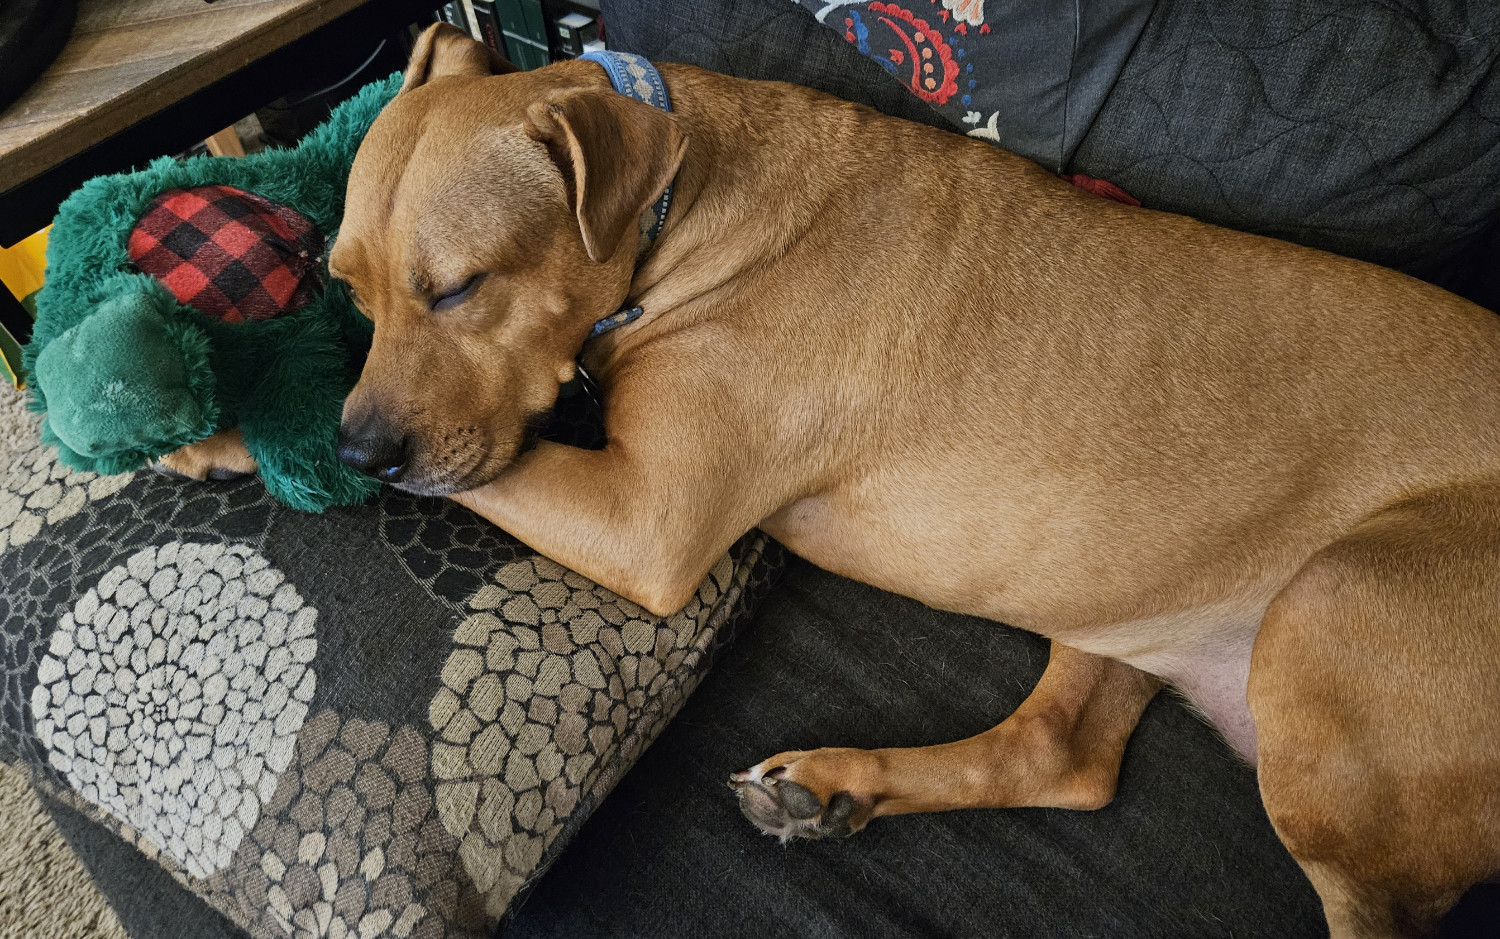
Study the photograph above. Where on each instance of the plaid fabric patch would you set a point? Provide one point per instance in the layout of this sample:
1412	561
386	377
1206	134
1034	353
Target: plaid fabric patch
230	254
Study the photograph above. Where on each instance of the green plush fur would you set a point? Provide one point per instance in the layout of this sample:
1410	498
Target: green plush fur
124	373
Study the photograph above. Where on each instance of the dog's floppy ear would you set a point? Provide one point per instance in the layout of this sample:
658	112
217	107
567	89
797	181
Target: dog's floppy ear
616	155
445	49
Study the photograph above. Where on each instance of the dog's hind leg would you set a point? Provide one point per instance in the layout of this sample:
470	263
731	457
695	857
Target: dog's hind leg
1061	748
1375	688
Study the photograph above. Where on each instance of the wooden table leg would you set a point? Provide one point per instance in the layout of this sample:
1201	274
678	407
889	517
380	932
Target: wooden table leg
225	143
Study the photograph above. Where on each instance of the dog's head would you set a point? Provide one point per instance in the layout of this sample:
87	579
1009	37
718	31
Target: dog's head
491	219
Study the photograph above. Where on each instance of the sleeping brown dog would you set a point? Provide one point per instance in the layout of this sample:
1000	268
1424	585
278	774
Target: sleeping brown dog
1267	475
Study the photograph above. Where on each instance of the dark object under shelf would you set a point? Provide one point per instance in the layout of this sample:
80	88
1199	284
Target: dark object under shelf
32	33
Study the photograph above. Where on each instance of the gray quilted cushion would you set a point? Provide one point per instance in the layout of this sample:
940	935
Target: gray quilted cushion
1371	130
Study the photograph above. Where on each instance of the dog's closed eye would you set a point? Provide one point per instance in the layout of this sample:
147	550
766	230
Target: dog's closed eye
457	295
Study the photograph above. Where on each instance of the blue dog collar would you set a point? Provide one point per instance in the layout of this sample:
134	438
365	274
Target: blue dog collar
634	76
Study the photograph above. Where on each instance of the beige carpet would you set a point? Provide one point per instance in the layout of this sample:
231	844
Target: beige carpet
44	891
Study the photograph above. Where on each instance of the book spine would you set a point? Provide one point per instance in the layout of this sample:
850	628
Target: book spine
568	44
496	21
509	16
472	18
536	23
525	53
572	31
489	25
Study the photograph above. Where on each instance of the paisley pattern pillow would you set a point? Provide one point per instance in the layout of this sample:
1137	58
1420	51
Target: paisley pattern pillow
1029	77
382	720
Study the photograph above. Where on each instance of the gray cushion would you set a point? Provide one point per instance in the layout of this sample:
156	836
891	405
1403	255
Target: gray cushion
772	40
1371	130
390	715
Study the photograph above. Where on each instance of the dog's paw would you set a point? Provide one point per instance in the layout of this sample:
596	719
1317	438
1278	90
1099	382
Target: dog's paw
218	458
796	795
218	474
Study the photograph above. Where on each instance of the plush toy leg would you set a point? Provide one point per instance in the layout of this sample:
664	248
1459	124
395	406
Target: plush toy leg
290	425
127	383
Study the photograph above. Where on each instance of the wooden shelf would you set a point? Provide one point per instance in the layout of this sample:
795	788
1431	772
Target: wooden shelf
129	58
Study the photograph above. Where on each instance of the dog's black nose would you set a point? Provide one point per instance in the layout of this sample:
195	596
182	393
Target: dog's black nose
375	448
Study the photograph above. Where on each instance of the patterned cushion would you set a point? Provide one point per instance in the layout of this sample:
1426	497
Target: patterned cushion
1228	112
1363	129
384	720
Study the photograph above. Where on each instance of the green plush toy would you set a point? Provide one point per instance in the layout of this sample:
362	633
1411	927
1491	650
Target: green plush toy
192	297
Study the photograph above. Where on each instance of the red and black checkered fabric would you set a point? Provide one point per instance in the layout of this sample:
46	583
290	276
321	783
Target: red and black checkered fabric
230	254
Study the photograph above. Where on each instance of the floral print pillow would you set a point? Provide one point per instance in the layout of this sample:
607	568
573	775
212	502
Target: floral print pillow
385	720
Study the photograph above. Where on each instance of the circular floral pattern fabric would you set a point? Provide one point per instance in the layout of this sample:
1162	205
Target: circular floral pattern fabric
348	846
36	489
172	693
68	547
553	678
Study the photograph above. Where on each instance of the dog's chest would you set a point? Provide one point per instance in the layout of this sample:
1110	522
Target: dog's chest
913	555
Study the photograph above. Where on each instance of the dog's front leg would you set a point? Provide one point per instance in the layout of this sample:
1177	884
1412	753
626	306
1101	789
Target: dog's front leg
218	457
1060	749
648	530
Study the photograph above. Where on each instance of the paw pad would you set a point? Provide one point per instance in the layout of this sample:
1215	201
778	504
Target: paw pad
778	806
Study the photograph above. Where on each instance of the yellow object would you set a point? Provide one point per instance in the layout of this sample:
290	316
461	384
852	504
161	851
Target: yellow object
22	269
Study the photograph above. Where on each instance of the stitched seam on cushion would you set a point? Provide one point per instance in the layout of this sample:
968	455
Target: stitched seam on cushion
1062	140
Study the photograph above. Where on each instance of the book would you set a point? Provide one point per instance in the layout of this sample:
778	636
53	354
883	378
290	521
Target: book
499	21
472	18
536	24
488	24
526	30
573	31
510	17
525	53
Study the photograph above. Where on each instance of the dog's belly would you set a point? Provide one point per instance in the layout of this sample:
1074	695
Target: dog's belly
1203	651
